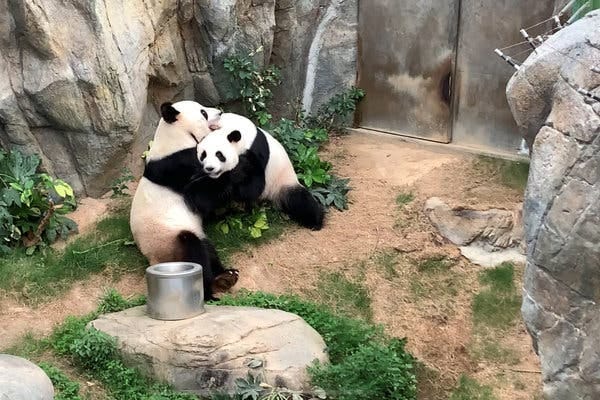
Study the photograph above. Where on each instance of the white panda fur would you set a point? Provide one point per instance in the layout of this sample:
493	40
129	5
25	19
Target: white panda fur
164	227
281	184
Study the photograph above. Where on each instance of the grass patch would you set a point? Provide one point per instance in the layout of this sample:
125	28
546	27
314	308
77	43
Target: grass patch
41	276
44	275
470	389
435	264
387	261
404	198
347	297
512	174
497	305
237	240
488	349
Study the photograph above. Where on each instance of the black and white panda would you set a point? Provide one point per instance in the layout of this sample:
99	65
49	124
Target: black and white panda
257	167
165	228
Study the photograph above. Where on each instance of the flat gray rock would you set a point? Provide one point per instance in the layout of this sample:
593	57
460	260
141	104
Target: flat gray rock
210	351
23	380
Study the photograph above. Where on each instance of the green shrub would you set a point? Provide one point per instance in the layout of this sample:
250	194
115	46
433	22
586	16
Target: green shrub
333	115
365	363
254	84
93	349
112	302
374	371
64	387
30	213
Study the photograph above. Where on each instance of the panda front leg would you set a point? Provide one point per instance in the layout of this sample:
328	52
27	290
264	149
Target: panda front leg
214	275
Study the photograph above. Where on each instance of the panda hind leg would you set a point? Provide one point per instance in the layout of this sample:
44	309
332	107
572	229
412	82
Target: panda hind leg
214	274
302	207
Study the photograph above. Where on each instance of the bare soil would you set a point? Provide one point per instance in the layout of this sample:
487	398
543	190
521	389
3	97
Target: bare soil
432	311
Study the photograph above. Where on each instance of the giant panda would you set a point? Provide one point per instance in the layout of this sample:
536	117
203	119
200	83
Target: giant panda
164	226
257	167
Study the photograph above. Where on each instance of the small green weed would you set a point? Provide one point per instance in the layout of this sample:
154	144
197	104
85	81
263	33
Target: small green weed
470	389
404	198
119	185
64	387
434	264
497	305
350	298
512	174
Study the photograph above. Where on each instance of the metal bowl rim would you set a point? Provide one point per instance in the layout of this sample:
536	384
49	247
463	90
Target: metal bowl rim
195	270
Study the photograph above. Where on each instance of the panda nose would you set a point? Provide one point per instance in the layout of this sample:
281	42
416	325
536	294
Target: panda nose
209	169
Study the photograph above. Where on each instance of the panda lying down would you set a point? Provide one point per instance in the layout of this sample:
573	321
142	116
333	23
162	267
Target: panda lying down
248	164
190	171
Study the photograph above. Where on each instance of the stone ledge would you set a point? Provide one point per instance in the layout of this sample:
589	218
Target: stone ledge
209	352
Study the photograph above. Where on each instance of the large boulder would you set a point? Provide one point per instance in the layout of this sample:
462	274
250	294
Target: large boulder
83	79
209	352
561	213
22	380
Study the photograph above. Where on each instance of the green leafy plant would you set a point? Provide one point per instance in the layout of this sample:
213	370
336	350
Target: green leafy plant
32	204
64	387
145	152
253	224
333	115
334	194
254	84
119	185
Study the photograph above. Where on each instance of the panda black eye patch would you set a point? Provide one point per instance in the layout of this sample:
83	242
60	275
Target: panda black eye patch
220	156
204	114
203	156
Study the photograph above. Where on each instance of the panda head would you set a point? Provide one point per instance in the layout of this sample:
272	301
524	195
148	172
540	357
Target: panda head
217	153
191	118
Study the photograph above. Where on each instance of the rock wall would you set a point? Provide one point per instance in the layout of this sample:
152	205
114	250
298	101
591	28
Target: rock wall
561	293
82	79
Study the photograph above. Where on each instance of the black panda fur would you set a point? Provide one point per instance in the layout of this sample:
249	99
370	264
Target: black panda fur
248	179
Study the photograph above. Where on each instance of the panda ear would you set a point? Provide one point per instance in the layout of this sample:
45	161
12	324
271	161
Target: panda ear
168	112
234	137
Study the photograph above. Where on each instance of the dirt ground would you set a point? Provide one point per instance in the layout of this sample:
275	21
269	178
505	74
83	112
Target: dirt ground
437	322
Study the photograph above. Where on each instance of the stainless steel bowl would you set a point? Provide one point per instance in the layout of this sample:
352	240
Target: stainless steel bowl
175	290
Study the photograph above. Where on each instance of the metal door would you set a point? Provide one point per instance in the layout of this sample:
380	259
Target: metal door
407	51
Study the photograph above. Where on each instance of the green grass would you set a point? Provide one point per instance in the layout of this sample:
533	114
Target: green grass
434	264
347	297
387	261
512	174
42	276
497	304
488	349
470	389
404	198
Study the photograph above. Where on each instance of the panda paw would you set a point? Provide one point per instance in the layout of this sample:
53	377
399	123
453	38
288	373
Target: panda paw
226	280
